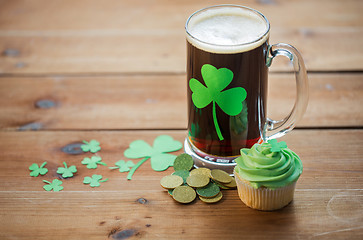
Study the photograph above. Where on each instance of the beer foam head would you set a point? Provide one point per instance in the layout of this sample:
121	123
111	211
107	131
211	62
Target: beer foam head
227	29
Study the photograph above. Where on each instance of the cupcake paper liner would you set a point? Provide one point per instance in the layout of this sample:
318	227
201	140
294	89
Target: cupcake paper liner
263	198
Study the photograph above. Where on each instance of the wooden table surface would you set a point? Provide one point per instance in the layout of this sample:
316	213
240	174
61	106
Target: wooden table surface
115	71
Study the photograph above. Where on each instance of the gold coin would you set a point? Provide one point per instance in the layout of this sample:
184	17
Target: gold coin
171	181
213	199
183	162
184	174
209	191
220	185
197	180
202	170
231	184
184	194
220	176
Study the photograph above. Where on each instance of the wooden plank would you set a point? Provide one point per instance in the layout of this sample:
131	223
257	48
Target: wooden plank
159	101
334	99
335	170
134	36
327	203
65	15
110	214
139	102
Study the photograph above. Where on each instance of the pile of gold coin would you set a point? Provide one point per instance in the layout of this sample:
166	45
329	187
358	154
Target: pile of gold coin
185	184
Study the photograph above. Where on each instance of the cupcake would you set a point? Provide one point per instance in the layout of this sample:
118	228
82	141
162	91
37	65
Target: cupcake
266	175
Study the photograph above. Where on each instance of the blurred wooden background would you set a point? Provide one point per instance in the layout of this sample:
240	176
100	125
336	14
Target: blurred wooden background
115	71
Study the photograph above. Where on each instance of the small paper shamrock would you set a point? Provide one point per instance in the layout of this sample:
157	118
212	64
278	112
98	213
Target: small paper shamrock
277	146
92	146
160	159
216	80
55	185
94	181
123	166
67	171
36	170
93	161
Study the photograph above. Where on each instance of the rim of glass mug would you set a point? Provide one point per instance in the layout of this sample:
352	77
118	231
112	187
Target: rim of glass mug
227	48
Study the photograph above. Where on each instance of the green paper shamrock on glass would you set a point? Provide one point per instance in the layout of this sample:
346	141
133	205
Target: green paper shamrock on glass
123	166
36	170
67	171
55	185
94	181
92	146
216	80
93	162
276	146
158	153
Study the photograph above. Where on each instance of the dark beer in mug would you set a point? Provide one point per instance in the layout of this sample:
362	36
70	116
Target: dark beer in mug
249	72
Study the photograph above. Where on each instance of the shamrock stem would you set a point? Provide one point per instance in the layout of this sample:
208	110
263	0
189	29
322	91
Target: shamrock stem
104	180
216	122
133	169
43	164
65	164
47	181
112	168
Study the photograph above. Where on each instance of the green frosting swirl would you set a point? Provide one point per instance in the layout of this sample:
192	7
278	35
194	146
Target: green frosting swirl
262	167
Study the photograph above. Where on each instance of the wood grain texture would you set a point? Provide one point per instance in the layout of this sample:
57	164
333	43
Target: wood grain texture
118	215
159	101
148	36
115	71
327	203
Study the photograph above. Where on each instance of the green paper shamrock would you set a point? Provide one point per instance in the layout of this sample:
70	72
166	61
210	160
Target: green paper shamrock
92	146
123	166
94	181
67	171
36	170
230	100
55	185
158	153
93	161
277	146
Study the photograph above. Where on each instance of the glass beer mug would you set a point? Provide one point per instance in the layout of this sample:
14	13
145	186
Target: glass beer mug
228	56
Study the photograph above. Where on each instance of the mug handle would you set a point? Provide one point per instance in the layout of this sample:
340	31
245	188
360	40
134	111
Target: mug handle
275	129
